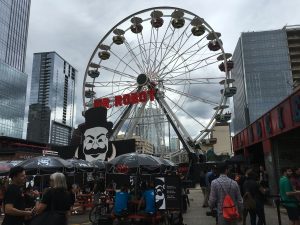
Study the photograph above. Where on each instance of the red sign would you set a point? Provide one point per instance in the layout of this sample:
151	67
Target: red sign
127	99
120	168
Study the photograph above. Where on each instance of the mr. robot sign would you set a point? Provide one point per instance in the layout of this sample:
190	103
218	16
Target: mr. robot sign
127	99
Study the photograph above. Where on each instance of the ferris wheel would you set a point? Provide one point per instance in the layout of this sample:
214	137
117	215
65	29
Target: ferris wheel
161	67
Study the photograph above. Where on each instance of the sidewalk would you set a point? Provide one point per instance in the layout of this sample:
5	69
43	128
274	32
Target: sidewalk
197	215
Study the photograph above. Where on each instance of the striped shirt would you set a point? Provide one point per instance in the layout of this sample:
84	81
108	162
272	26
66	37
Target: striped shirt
219	188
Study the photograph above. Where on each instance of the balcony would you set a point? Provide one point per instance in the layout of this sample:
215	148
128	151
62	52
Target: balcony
296	68
293	37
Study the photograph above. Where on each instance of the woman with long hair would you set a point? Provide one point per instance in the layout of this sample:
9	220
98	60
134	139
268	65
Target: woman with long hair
56	202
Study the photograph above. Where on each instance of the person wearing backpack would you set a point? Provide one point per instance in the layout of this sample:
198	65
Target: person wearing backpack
225	195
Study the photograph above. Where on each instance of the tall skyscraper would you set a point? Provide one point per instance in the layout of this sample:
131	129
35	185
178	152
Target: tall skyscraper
266	68
51	110
14	19
152	128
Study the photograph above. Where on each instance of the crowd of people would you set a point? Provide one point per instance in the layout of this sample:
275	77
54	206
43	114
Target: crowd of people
249	190
232	192
57	201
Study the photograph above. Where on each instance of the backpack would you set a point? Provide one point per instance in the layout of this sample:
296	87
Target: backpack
229	209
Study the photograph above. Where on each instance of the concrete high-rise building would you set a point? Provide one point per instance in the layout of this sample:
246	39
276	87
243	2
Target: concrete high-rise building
152	128
221	132
51	110
14	19
266	68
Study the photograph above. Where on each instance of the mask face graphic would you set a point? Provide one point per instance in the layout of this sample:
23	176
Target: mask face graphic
160	194
95	144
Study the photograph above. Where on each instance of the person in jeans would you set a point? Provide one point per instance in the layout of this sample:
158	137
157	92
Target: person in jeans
251	187
219	188
14	203
288	196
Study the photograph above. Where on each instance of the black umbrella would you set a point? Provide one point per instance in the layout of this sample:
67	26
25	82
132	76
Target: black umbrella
134	162
166	165
99	165
46	165
5	166
82	165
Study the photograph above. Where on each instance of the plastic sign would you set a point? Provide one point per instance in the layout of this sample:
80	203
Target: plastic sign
126	99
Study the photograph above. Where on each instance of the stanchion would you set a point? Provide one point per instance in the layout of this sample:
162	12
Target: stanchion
277	203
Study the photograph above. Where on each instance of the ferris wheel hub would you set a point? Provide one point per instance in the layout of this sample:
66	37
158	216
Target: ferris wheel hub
142	79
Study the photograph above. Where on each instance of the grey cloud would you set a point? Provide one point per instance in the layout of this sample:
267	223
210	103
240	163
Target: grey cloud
73	28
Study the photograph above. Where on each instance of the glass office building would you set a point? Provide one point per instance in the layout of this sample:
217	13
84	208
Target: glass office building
14	19
52	98
262	75
13	85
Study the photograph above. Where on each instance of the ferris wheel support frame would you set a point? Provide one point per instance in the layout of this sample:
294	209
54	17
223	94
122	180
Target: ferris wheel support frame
179	133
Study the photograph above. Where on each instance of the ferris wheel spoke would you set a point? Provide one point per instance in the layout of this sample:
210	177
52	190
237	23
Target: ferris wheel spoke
153	67
118	72
121	60
181	108
120	83
195	68
184	81
192	96
187	51
179	48
193	63
135	59
150	46
113	113
120	90
143	53
155	48
174	43
162	56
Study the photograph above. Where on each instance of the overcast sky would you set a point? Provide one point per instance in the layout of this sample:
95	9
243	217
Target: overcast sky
73	28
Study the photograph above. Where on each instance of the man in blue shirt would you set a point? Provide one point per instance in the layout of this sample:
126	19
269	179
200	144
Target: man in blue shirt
149	199
121	202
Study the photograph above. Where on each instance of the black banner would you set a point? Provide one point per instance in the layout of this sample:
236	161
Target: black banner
168	193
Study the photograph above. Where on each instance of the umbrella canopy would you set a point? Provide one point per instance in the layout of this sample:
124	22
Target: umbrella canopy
134	162
5	166
46	165
99	165
166	164
82	165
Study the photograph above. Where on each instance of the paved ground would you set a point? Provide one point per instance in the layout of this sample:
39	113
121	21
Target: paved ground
195	214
